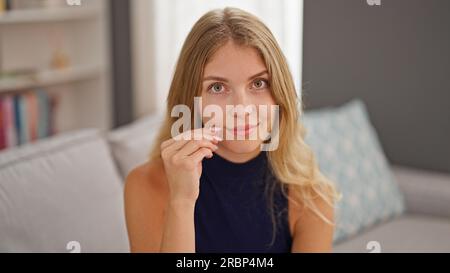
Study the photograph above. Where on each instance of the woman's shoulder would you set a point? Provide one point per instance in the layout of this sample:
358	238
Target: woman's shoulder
146	178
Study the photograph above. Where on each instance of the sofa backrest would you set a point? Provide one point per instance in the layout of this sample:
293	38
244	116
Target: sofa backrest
61	190
131	144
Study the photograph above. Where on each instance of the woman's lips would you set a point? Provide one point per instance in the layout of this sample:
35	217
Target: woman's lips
243	130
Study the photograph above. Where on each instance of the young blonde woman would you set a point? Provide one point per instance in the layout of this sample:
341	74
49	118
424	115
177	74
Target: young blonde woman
211	194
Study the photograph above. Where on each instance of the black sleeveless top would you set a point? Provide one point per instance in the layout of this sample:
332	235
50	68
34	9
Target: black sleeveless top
232	213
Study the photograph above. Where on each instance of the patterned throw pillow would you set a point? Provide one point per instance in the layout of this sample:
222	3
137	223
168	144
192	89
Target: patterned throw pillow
349	153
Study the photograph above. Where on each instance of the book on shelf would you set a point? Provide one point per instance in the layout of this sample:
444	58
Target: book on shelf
5	5
44	112
9	121
23	121
2	6
32	115
2	130
25	118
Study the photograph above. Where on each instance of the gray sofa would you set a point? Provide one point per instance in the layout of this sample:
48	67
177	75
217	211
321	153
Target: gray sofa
68	190
425	227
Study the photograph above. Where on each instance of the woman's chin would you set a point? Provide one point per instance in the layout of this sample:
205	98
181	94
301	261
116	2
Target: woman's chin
241	146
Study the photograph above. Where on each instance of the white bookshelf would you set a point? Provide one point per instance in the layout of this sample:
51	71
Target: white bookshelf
42	15
46	78
28	40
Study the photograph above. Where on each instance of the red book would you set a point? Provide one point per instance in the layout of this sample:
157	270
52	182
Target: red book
32	115
9	121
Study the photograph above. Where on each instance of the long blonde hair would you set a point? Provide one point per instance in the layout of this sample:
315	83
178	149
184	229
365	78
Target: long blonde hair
293	162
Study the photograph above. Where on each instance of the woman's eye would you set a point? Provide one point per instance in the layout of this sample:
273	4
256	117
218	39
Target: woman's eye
259	84
216	88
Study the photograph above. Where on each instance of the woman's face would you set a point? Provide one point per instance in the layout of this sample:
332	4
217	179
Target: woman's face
237	76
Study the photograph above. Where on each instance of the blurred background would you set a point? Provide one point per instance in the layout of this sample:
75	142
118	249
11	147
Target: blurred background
68	65
107	63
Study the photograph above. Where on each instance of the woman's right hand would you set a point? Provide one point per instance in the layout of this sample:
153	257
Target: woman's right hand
182	157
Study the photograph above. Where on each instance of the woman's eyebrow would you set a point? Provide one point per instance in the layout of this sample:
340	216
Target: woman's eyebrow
258	74
217	78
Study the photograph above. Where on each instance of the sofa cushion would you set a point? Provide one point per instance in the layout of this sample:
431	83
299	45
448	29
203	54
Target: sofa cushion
408	233
131	143
59	190
349	153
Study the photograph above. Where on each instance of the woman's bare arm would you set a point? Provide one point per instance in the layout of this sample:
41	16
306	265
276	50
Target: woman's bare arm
144	209
311	233
154	223
179	233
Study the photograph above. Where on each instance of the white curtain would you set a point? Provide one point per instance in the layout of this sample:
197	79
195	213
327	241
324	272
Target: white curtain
173	19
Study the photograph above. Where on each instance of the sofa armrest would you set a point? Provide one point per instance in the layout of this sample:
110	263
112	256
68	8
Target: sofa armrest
425	192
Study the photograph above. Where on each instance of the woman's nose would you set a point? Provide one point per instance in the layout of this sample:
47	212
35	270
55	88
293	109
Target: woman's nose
240	98
243	104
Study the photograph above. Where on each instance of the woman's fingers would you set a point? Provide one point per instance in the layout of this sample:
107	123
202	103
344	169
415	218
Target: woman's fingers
200	154
194	145
179	144
171	146
183	138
